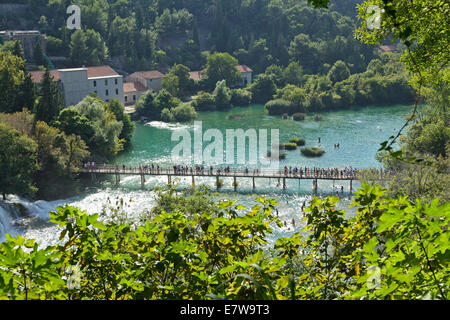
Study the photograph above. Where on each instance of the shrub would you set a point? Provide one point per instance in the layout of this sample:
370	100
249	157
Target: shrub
312	152
298	116
277	107
166	115
204	102
318	117
290	146
222	96
241	97
298	141
184	112
285	116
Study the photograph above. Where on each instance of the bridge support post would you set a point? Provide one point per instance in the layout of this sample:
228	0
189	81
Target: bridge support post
193	181
217	182
117	178
235	183
315	183
284	183
169	179
254	186
351	185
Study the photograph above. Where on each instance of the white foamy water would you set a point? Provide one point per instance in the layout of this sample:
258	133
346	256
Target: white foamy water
168	126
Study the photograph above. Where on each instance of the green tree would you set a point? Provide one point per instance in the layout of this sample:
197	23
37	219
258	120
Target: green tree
18	50
38	54
145	106
27	93
416	27
128	126
165	100
184	112
263	89
78	48
339	72
87	48
170	82
195	34
105	139
293	74
185	82
17	162
222	96
12	78
222	66
72	122
167	115
51	100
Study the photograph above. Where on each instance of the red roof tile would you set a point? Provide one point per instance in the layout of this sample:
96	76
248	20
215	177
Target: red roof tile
36	76
243	68
148	74
195	75
102	71
387	48
133	87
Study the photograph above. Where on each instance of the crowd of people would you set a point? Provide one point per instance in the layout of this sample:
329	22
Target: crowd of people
332	173
297	172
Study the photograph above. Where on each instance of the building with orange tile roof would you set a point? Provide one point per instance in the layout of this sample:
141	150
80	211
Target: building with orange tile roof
77	83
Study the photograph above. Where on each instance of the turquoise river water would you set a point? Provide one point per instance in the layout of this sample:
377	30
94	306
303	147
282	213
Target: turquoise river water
359	133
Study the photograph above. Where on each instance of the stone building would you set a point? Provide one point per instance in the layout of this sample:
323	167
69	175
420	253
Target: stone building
29	40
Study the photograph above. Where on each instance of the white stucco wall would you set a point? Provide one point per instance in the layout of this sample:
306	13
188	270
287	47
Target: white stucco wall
74	85
107	88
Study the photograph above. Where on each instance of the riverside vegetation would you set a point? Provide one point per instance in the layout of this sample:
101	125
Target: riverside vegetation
52	141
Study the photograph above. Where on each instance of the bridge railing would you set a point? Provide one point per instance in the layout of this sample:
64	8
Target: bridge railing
302	173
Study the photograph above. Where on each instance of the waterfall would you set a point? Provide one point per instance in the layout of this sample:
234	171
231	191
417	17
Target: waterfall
9	213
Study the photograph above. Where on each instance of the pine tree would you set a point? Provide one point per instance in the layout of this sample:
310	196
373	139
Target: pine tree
18	50
50	100
38	54
27	96
195	34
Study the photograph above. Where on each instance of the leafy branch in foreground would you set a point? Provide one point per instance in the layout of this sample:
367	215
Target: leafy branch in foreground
225	253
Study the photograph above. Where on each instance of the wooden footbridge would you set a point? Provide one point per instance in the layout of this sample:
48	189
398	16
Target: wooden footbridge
314	174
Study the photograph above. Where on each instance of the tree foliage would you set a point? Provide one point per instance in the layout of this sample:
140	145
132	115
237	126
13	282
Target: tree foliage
17	162
189	247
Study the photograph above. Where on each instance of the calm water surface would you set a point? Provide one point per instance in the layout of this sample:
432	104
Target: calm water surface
359	133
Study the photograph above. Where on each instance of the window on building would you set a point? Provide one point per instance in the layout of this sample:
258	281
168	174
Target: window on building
106	82
95	83
117	92
115	81
134	97
107	92
126	98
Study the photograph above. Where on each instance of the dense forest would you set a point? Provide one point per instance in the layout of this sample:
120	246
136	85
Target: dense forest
148	34
304	59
